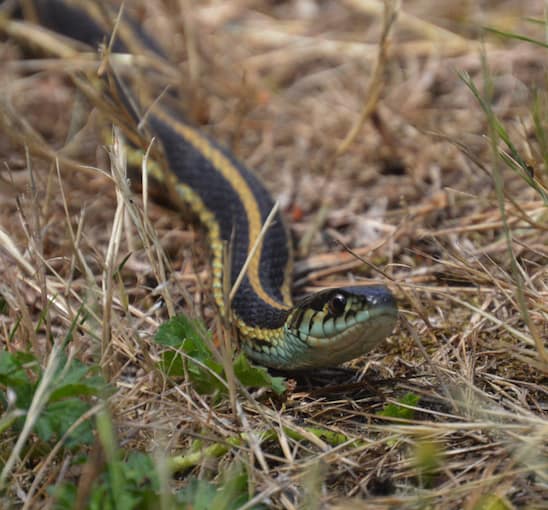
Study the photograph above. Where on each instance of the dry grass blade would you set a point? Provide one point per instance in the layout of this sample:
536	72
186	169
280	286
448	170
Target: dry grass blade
390	14
256	244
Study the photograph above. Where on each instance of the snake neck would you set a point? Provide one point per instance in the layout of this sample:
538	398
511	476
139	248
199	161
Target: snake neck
233	205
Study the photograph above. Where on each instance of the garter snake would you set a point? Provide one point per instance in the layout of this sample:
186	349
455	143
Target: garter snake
324	329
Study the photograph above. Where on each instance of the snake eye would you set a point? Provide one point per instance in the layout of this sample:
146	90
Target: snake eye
337	304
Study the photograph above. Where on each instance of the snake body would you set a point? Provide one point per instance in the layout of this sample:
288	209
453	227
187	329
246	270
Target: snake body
326	328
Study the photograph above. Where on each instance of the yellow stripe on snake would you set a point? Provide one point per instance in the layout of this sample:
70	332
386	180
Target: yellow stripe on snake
326	328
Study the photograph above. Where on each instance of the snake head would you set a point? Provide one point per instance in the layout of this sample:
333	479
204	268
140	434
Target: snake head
337	325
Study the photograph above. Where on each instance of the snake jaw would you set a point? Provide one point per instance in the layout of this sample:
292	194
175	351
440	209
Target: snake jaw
352	342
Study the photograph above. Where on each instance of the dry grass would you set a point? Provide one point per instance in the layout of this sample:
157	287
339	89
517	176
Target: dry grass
420	193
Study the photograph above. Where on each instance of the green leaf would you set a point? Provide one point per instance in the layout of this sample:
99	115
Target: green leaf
397	411
75	390
78	381
204	495
175	364
68	402
203	379
138	478
57	417
139	484
198	494
189	355
16	365
19	371
140	470
257	377
74	374
181	328
64	496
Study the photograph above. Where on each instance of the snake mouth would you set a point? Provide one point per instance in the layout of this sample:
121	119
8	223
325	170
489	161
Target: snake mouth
363	337
356	340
